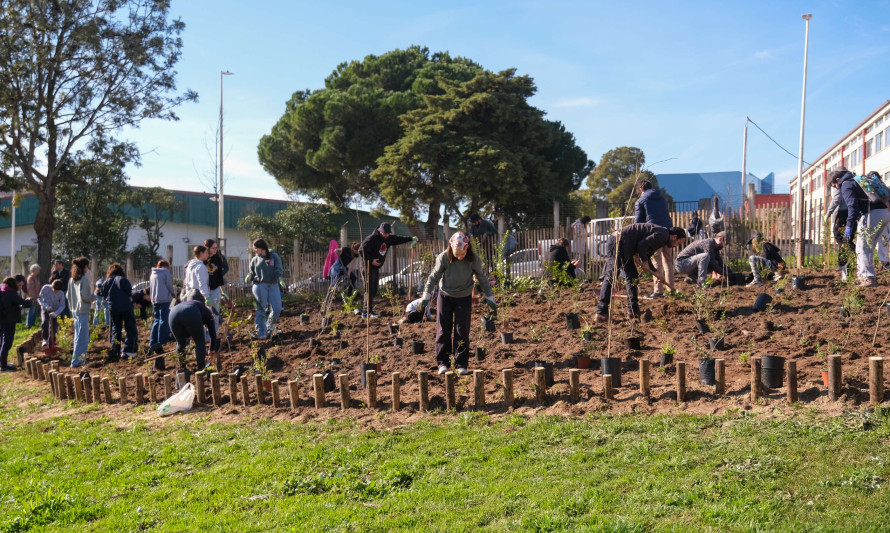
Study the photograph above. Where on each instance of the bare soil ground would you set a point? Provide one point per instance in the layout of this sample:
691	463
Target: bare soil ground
804	325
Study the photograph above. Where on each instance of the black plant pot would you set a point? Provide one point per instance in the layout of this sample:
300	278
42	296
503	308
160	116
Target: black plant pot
507	337
398	341
587	335
329	381
702	326
160	364
393	329
417	347
611	365
707	371
344	344
480	354
763	299
364	367
716	344
572	321
634	343
772	371
488	324
314	342
797	282
666	359
548	371
304	319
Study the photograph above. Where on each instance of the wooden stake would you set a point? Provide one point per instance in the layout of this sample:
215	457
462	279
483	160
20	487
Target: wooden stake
294	389
200	392
450	400
245	391
540	383
396	391
681	381
644	378
69	379
53	384
97	387
834	377
44	371
55	365
607	387
106	389
875	380
140	389
423	377
507	375
168	386
215	389
479	389
78	389
720	371
122	385
260	391
233	389
756	384
575	384
152	390
318	385
276	393
28	368
371	376
791	370
345	401
88	390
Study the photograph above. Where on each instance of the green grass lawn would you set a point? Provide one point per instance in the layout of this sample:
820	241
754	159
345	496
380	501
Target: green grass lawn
85	472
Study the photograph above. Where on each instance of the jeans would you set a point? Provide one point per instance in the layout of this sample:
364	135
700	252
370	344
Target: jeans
697	264
453	317
631	275
123	321
186	323
213	304
81	338
32	315
871	226
160	326
101	309
267	295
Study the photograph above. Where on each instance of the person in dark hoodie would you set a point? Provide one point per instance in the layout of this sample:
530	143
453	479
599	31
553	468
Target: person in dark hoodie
622	248
373	254
873	217
561	259
188	321
11	305
652	208
118	293
217	267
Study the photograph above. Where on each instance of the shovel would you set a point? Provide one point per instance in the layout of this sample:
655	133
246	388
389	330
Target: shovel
51	350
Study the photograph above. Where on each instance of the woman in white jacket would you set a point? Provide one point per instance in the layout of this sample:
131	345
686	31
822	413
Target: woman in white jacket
197	277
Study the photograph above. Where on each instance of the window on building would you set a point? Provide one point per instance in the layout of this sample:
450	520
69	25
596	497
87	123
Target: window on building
879	142
869	148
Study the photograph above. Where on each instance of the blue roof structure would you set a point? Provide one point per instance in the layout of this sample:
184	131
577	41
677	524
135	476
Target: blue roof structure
694	186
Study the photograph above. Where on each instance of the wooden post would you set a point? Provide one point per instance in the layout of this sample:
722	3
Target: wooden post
28	368
215	390
396	391
233	389
122	386
140	389
720	371
541	382
875	380
106	389
507	375
834	377
371	376
88	390
276	393
479	389
644	378
54	384
345	400
78	389
681	381
756	385
294	391
245	391
200	391
168	386
791	370
450	399
318	385
423	377
260	391
575	384
97	387
69	379
152	390
607	387
54	365
44	371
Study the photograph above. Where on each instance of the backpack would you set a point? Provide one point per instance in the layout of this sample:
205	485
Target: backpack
874	188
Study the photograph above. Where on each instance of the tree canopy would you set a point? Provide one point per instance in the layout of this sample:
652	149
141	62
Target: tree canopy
77	71
309	223
419	131
613	179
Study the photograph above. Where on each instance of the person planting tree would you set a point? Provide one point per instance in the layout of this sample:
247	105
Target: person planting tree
373	254
651	207
453	273
188	321
624	249
701	258
765	255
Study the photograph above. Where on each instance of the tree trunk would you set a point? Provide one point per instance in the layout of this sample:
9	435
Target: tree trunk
44	225
431	226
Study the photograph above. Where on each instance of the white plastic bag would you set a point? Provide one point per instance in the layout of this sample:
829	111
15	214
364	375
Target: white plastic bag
180	402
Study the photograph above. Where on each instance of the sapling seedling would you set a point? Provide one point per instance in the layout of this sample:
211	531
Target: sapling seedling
667	348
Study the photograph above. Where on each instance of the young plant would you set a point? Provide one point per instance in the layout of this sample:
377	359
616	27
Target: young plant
373	359
667	348
699	348
392	296
701	303
259	360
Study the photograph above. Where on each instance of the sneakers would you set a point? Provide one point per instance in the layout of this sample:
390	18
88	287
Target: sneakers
777	276
868	282
44	344
755	283
461	371
442	369
129	355
600	318
7	368
372	315
655	295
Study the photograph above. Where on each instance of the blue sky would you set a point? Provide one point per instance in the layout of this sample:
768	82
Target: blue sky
676	79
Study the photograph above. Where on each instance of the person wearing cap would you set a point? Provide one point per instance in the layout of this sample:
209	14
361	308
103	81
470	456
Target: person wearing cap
701	258
453	273
373	254
188	321
32	289
764	255
481	228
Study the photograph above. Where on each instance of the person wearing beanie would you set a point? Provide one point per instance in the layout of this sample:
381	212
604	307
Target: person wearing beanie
373	254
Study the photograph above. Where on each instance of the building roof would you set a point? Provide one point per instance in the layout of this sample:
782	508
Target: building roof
693	186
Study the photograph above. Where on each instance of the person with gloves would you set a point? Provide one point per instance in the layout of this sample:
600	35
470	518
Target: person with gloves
873	217
264	272
373	254
453	273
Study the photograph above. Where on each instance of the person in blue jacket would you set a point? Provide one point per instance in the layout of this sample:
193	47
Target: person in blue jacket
652	208
118	293
872	216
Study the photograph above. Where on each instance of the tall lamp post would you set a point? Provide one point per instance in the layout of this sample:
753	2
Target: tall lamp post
803	107
220	198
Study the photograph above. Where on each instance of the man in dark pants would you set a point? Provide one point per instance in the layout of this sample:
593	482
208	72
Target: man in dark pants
373	254
187	321
622	247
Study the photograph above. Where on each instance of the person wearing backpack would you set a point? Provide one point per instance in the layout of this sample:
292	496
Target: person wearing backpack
10	315
869	213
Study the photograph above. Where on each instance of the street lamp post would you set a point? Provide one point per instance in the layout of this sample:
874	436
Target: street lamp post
220	198
803	107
